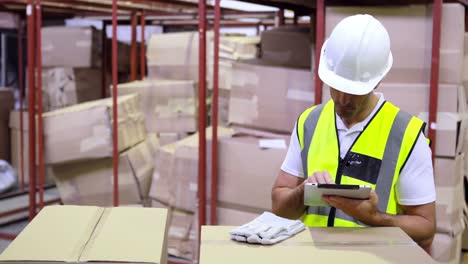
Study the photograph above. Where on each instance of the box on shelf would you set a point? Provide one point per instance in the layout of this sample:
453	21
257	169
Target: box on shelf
269	97
88	234
15	133
175	180
91	182
174	55
84	131
412	59
7	102
8	20
288	46
168	105
71	47
447	248
65	86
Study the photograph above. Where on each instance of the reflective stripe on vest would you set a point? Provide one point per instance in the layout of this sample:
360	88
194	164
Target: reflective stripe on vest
375	158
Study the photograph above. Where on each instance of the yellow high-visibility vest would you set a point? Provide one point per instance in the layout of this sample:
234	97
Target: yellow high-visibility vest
376	157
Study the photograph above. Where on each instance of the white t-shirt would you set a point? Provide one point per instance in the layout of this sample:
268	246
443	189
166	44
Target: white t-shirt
415	185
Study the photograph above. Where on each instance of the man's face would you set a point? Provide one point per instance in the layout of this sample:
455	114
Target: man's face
349	106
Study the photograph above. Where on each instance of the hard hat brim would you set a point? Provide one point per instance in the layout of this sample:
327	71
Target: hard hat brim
349	86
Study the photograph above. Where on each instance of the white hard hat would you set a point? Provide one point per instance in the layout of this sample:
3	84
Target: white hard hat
356	56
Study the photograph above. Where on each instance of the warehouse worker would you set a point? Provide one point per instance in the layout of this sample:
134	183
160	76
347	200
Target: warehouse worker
359	138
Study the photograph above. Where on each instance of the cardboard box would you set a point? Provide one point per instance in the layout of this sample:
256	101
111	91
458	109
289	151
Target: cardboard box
288	46
168	105
84	131
268	97
446	248
413	98
234	216
71	47
248	185
465	63
175	180
174	55
8	20
7	102
15	132
410	30
65	86
451	131
327	245
82	234
92	182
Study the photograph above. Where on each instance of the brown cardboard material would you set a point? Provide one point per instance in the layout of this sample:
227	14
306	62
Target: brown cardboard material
8	20
65	86
169	105
84	131
248	185
268	97
410	31
15	133
91	182
465	63
71	47
288	46
234	216
175	180
7	103
416	96
327	245
169	138
82	234
174	55
446	248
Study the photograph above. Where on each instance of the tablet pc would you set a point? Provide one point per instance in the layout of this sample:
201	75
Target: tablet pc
313	192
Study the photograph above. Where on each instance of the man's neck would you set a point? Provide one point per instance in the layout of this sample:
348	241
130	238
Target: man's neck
370	105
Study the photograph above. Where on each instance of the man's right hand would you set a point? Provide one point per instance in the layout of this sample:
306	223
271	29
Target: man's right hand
320	177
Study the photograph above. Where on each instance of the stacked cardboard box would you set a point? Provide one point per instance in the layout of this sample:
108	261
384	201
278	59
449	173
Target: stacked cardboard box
174	56
169	105
231	49
175	186
15	135
288	46
7	103
78	146
410	76
9	20
65	86
71	57
268	97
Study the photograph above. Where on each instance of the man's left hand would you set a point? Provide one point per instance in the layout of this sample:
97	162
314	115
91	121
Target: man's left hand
365	211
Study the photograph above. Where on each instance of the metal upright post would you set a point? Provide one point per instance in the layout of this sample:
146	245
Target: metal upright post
21	94
214	109
31	109
320	32
202	114
133	53
114	104
142	47
40	129
434	89
105	59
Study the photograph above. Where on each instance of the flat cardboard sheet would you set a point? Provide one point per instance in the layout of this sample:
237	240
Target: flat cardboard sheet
86	233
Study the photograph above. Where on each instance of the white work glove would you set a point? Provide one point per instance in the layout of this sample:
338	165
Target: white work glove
267	229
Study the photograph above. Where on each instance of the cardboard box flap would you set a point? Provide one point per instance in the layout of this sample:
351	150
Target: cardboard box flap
356	236
121	229
64	229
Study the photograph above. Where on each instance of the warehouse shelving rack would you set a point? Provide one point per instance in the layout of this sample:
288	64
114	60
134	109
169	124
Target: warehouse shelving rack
147	8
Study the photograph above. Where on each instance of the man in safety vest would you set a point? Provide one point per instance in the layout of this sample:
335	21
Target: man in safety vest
359	138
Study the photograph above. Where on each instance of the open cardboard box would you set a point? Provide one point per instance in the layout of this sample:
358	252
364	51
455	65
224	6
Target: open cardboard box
79	234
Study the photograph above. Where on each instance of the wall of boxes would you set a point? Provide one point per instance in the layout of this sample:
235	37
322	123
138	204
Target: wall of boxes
265	83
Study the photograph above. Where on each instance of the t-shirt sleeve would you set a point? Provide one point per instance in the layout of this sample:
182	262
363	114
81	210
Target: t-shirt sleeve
292	163
416	183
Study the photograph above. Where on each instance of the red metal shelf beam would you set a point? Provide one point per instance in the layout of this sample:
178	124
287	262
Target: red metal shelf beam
115	133
320	35
39	105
